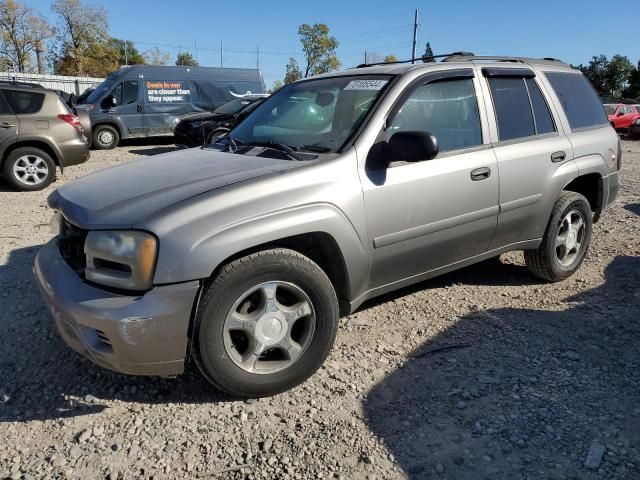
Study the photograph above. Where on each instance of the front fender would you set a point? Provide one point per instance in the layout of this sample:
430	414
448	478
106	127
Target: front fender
211	250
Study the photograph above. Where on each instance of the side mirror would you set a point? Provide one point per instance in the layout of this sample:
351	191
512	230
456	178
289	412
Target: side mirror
621	113
412	146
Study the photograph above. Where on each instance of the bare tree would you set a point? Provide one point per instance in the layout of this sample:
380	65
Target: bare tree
22	32
154	56
82	31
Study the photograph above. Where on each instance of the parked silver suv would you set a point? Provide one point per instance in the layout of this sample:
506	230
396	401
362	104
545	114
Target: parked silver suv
242	255
38	133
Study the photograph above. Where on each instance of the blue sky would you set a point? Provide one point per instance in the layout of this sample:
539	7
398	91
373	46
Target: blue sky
572	30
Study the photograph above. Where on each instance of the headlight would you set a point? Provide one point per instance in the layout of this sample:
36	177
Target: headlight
122	259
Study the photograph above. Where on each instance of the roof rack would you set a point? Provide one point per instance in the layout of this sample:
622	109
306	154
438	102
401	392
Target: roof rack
417	59
471	57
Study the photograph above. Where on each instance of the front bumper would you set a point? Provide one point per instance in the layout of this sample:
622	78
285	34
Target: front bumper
138	335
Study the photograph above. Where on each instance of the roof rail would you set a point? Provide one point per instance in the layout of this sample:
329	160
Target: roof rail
417	59
471	58
20	84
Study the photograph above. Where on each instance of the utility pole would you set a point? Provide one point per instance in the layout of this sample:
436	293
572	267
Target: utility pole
221	53
195	47
365	57
258	57
415	37
126	56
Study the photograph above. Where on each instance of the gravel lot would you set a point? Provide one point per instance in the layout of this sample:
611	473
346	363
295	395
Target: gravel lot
483	373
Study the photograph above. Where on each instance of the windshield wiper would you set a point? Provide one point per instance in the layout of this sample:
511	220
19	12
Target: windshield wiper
314	148
281	147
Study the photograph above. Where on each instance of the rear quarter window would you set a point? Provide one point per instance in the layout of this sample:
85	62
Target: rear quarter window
579	100
24	102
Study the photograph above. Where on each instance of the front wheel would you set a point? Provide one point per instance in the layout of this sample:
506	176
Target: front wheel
265	324
105	137
566	240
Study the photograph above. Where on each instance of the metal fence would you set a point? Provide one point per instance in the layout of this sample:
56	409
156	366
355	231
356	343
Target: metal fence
75	85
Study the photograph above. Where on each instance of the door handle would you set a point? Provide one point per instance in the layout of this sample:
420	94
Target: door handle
480	174
558	156
139	108
6	125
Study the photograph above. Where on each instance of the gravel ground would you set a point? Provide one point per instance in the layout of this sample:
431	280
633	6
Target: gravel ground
483	373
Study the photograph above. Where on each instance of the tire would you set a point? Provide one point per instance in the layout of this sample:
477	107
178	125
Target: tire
218	349
29	169
105	137
216	135
553	262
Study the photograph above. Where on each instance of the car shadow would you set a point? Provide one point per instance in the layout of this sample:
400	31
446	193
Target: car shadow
521	393
492	272
633	208
41	378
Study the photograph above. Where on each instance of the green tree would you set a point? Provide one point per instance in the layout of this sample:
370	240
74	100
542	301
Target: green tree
82	39
427	56
618	74
22	32
319	49
277	85
154	56
126	51
390	58
608	77
633	90
185	58
293	72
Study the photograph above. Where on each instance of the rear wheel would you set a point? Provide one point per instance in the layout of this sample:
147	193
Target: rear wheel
566	240
265	324
105	137
29	169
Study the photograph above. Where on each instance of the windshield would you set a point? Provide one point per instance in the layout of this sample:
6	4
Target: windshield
100	90
234	106
610	109
317	114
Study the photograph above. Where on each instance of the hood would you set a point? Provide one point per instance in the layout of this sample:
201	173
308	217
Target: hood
120	196
195	117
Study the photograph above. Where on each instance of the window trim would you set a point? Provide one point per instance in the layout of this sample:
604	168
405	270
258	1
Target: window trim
546	103
427	78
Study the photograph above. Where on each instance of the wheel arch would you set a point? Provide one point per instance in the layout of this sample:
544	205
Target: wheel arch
320	247
591	186
39	144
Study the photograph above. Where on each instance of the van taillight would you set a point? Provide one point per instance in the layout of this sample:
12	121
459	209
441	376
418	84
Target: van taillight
72	120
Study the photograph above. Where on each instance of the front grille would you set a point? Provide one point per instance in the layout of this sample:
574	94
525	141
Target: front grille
71	244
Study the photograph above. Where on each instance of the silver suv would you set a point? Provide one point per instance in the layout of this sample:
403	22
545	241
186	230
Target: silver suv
38	133
243	255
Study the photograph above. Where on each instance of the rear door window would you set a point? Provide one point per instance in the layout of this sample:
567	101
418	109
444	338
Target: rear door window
24	102
579	100
129	92
541	113
513	109
4	106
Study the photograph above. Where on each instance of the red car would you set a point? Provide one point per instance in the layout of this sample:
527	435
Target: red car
622	116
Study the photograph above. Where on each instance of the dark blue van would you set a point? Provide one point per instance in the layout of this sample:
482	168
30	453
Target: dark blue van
146	100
